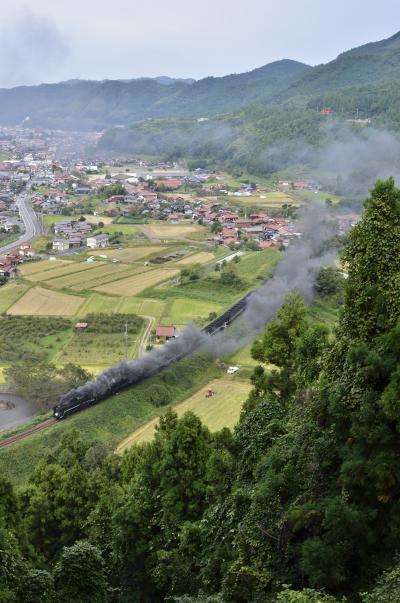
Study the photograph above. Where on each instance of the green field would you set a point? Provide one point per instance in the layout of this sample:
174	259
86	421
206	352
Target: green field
181	311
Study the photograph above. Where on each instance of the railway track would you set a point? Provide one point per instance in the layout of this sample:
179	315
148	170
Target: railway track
25	434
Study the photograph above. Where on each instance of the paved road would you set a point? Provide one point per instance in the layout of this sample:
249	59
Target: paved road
33	225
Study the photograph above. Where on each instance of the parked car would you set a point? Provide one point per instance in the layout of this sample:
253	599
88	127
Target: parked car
232	370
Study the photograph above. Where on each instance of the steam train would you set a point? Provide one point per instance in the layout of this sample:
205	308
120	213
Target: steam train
76	400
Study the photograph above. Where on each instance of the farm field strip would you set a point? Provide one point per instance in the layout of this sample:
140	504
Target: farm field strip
70	280
203	257
170	231
130	254
31	268
137	283
142	307
221	410
107	278
72	268
101	304
42	302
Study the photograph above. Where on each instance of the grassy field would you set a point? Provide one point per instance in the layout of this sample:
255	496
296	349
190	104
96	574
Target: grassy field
137	283
171	231
181	311
10	293
222	410
142	307
258	263
243	357
130	254
203	257
126	229
42	302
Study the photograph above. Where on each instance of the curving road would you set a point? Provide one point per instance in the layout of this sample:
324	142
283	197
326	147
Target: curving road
33	225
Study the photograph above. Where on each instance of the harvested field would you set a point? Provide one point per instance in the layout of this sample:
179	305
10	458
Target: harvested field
198	258
222	410
137	283
171	231
42	302
130	254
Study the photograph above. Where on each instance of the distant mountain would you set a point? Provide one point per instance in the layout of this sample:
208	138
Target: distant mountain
280	123
96	105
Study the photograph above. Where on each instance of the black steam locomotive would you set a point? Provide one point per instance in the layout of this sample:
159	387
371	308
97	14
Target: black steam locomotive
78	400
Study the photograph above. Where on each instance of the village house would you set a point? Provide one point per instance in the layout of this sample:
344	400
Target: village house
165	333
98	241
60	245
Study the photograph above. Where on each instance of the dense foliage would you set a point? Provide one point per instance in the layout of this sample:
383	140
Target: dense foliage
298	505
20	336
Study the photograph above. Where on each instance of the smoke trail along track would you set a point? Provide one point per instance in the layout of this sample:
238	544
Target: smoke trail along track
297	270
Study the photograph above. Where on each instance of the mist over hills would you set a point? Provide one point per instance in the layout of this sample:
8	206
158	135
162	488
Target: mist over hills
264	120
97	105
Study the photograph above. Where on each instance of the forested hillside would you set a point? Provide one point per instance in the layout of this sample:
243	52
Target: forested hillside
298	505
91	105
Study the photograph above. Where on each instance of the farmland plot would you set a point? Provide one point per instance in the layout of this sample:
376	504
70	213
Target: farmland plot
130	254
137	283
42	302
81	279
60	271
198	258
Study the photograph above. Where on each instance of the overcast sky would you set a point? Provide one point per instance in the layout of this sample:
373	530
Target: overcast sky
53	40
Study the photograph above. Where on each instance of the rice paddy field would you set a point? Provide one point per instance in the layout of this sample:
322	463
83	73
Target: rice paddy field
137	283
198	258
42	302
221	410
68	268
171	231
274	200
35	267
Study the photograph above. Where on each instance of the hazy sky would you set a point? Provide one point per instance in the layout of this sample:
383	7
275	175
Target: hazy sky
52	40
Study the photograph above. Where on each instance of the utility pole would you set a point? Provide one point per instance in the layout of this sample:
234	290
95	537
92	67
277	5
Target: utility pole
126	341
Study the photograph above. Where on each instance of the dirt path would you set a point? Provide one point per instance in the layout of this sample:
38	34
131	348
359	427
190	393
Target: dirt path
146	335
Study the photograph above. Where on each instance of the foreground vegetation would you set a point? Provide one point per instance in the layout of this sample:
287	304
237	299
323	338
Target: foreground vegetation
304	492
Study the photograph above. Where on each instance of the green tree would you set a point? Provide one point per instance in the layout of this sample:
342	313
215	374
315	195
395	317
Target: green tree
79	575
372	261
